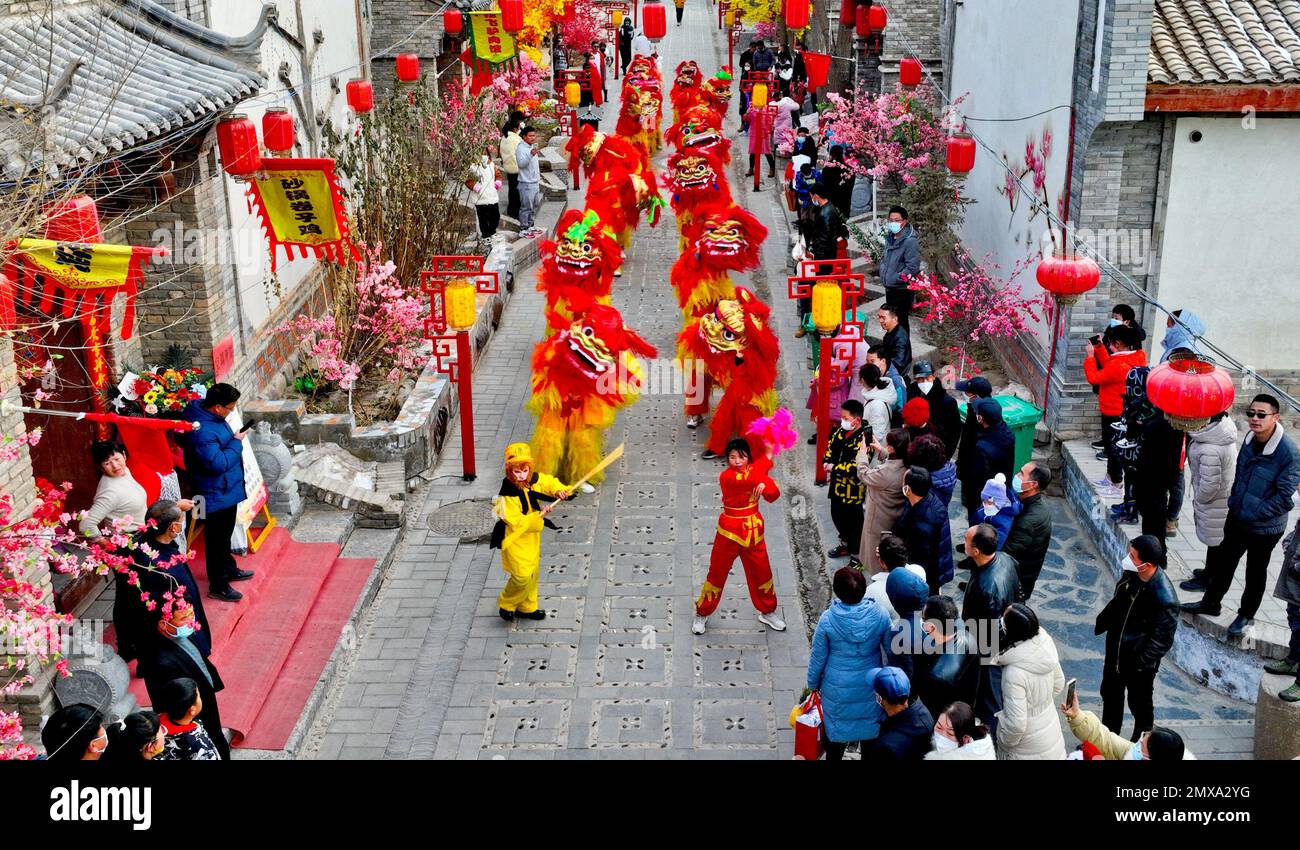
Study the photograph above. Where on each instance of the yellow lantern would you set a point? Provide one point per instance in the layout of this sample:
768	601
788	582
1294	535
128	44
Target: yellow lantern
572	93
731	18
617	17
827	305
758	97
459	303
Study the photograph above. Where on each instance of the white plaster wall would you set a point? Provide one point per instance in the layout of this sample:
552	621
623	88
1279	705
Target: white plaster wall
1231	227
338	56
1013	58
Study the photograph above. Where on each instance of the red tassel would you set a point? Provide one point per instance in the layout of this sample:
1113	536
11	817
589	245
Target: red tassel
47	296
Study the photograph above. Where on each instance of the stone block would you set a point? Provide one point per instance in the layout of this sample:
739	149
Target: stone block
1277	723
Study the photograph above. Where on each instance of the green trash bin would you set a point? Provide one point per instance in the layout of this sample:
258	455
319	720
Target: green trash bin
1021	417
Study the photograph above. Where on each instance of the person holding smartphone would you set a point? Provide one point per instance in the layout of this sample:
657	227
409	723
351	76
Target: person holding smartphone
214	459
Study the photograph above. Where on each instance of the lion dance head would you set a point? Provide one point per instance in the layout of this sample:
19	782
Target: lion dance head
735	338
700	130
595	354
583	258
727	238
696	178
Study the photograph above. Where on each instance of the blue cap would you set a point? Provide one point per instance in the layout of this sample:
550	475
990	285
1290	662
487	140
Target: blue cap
890	684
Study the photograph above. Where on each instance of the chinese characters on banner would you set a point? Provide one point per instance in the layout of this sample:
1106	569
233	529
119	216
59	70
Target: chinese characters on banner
491	43
299	204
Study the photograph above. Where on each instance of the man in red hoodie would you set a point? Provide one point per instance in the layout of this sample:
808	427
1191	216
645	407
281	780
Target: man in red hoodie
1107	369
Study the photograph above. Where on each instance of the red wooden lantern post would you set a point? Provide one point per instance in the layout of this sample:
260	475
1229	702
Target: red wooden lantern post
654	21
829	371
909	71
238	145
1189	391
453	284
361	95
278	131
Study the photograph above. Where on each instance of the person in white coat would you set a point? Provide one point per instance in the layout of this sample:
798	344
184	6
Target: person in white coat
878	397
1031	680
1212	463
959	736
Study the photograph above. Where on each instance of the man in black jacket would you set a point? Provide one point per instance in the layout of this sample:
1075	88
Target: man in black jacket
171	654
975	389
994	451
907	727
1031	531
1139	624
1159	463
828	224
897	344
948	670
944	415
994	584
925	528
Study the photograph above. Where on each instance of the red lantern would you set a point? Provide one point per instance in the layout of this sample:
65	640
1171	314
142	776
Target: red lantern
74	219
796	14
847	16
877	17
452	22
361	95
862	20
237	142
512	15
1189	390
818	66
654	21
408	67
569	13
277	130
961	153
909	71
1066	278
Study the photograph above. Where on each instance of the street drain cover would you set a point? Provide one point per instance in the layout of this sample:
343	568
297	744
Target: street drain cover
470	520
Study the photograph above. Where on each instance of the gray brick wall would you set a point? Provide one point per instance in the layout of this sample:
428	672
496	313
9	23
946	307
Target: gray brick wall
913	30
1130	43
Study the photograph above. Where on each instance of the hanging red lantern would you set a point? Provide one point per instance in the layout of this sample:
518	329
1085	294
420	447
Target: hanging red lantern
847	15
512	15
1189	391
278	131
961	153
452	22
1066	278
237	143
74	219
408	67
654	21
361	95
796	14
862	21
909	71
877	17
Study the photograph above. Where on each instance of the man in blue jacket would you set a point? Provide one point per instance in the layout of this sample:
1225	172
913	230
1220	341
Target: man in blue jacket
214	459
900	261
1268	473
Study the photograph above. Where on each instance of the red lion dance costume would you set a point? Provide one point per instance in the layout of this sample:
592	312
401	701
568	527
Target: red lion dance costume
638	120
582	377
739	350
700	131
720	240
578	267
621	182
685	92
715	92
695	180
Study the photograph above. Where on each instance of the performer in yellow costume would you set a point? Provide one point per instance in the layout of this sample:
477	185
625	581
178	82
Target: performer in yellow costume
517	508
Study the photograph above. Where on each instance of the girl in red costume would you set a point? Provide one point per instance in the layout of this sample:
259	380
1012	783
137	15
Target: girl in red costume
740	535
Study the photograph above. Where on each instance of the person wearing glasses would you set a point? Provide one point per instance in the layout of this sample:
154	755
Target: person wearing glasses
1268	472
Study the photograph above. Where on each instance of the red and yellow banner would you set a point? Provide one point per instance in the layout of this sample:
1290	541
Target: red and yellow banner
299	204
491	43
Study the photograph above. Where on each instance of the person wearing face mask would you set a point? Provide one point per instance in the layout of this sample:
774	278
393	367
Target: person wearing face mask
185	738
846	491
878	398
993	452
517	508
905	733
140	736
944	413
877	357
74	733
974	389
948	670
1139	623
994	584
959	736
884	491
1031	531
900	262
1027	727
925	528
483	183
171	655
1159	744
997	506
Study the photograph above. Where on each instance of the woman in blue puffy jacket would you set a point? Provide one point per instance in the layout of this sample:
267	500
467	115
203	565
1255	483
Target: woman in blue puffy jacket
849	643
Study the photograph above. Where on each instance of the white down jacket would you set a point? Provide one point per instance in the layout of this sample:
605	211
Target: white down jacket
1028	725
1212	462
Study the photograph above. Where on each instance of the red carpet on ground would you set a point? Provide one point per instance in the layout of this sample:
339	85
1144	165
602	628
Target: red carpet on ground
272	646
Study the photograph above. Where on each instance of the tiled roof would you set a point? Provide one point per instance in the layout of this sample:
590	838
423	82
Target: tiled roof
117	73
1225	42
